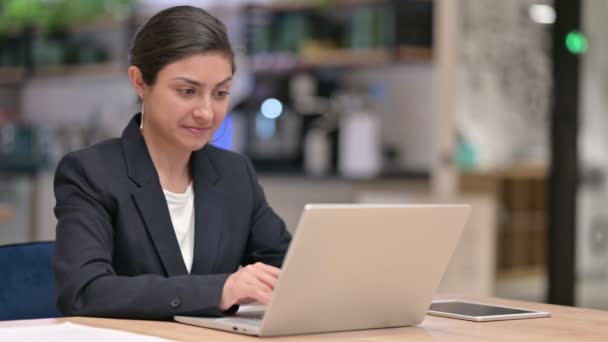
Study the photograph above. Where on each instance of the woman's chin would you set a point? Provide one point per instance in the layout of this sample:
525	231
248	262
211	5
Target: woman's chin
195	145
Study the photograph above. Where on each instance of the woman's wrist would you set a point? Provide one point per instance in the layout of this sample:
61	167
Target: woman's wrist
226	302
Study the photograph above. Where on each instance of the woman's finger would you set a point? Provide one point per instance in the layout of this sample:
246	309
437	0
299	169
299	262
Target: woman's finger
274	271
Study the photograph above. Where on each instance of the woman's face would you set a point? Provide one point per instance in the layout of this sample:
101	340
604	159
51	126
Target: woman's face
189	100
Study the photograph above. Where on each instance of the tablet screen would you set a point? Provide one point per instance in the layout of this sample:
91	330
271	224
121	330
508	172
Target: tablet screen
475	310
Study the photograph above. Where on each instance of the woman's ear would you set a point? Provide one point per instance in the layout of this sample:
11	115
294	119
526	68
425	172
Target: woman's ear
137	80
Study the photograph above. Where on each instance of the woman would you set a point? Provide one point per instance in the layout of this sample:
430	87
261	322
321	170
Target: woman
157	222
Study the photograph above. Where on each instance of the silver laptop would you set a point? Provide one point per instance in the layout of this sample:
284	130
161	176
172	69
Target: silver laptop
352	267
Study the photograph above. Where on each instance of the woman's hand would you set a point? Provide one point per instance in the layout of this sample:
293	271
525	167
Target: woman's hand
249	284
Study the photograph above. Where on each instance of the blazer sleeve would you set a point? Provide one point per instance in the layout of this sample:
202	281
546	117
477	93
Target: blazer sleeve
268	238
86	282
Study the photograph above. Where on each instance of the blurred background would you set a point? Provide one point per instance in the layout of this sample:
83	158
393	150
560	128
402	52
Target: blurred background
500	104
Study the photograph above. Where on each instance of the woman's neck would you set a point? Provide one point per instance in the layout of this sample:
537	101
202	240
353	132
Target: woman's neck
172	165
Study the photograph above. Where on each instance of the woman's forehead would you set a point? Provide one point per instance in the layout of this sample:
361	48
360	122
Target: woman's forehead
208	68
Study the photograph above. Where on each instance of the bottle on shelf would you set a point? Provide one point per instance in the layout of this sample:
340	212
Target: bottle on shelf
359	146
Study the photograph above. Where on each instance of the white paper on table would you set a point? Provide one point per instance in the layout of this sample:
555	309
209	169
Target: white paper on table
71	332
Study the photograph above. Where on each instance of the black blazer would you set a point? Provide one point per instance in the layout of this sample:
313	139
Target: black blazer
116	252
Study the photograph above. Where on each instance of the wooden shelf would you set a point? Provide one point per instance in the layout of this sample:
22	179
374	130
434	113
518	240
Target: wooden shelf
303	5
94	69
281	62
12	75
294	6
518	171
414	54
346	58
104	23
521	272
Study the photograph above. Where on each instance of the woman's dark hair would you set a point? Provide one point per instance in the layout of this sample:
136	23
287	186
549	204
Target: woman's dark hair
175	33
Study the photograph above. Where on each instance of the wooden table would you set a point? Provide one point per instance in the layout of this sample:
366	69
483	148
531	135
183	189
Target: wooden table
567	324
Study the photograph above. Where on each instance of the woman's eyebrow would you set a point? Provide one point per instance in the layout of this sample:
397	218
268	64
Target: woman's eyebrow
198	84
191	81
228	79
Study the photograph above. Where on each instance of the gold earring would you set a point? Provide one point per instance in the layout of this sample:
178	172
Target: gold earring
141	123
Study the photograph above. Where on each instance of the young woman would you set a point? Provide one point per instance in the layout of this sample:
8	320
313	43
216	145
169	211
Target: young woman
157	222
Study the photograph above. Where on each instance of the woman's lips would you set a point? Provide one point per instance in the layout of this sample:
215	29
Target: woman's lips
197	130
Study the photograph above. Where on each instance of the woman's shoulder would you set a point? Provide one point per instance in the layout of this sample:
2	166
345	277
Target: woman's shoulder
103	158
97	170
103	152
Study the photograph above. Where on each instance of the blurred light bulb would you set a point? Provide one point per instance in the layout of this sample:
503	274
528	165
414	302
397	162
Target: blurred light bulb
542	14
272	108
576	42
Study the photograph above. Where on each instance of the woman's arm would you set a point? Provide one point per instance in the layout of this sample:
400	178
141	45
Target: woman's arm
268	238
87	284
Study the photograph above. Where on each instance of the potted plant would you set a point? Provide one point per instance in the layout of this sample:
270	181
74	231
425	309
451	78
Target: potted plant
28	23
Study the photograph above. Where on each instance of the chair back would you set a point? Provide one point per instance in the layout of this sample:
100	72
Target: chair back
27	282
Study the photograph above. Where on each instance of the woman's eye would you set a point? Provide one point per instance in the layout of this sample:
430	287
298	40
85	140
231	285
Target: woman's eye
186	91
222	93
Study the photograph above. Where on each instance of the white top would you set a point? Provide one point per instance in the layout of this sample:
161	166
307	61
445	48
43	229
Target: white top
181	208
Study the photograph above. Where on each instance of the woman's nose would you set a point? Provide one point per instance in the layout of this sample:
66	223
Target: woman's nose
204	111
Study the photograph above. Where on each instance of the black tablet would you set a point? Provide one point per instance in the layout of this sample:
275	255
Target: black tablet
481	312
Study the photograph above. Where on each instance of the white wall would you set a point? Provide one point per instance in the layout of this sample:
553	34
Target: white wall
74	100
407	112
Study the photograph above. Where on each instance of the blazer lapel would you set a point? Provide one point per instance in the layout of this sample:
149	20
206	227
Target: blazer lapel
208	203
150	200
